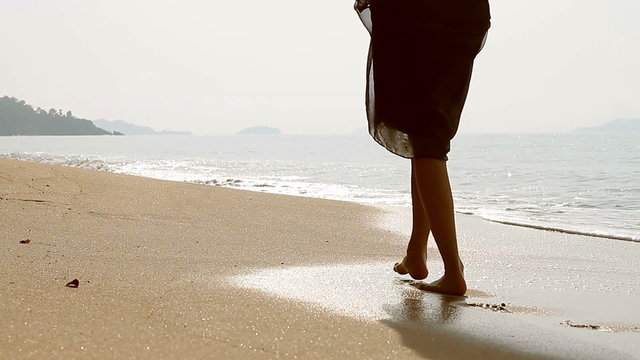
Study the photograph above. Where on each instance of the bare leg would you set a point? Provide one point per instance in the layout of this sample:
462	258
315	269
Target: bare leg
415	262
433	186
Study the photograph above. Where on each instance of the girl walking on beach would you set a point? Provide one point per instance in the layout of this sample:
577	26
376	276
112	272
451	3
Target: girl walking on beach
418	73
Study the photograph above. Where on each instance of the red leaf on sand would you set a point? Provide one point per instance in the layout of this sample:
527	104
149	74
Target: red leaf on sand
26	241
73	283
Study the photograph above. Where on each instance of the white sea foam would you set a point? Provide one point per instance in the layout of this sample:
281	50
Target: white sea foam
540	181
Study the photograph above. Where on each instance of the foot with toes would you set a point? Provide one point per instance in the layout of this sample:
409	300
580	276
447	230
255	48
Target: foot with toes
451	283
413	264
448	285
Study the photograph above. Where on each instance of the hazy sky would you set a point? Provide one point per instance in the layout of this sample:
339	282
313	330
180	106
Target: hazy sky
215	67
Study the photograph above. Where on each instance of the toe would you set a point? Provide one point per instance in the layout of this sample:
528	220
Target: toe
400	269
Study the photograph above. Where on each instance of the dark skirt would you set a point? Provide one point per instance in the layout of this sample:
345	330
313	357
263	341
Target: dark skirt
418	70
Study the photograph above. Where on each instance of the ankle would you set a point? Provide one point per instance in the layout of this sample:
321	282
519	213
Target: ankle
455	270
414	252
416	247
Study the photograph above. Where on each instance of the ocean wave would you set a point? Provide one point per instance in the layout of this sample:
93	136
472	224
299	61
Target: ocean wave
292	186
584	213
79	161
515	219
566	231
215	182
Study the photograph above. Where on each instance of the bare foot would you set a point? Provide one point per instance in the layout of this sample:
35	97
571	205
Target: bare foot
449	285
416	266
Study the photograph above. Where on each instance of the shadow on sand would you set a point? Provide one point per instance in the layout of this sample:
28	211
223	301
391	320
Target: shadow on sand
435	326
430	324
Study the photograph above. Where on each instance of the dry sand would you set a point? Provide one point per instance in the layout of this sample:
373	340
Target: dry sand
177	270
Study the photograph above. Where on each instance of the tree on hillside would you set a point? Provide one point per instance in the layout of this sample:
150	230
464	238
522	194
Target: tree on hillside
19	118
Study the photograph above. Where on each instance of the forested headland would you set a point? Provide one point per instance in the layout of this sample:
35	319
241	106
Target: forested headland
19	118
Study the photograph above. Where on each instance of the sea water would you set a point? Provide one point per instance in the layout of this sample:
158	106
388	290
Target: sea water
582	183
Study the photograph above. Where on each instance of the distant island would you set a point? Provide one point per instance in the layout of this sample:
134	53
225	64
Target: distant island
19	118
132	129
260	130
618	125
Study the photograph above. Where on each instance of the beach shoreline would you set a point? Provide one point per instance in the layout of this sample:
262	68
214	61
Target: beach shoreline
509	181
172	269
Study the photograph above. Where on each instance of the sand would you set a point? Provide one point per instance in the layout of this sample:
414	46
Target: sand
178	270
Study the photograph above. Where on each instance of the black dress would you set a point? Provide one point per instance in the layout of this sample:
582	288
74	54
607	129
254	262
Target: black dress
418	70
